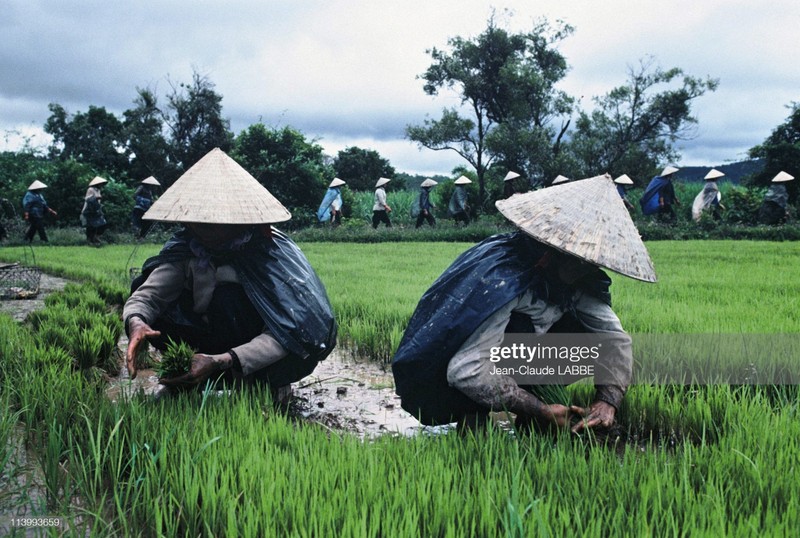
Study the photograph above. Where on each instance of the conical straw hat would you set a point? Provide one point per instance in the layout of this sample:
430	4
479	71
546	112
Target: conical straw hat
151	181
560	179
217	190
428	183
781	177
382	181
97	181
336	183
713	174
463	180
623	180
585	218
36	185
668	171
510	175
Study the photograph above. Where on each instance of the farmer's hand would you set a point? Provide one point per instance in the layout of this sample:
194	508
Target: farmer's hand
600	413
557	414
138	333
52	212
388	209
203	367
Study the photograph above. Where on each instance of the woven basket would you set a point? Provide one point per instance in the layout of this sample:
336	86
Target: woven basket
19	281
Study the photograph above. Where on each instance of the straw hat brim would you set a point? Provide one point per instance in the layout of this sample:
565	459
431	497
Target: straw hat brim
217	190
587	219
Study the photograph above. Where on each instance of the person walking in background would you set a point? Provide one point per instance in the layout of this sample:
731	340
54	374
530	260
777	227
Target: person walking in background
559	180
459	202
331	206
380	209
426	207
92	213
775	207
34	207
708	198
509	189
142	200
659	196
622	183
544	278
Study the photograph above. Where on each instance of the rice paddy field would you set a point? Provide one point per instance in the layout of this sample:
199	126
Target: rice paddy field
685	460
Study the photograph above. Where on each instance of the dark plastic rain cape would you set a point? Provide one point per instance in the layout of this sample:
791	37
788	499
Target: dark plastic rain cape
649	200
478	283
281	285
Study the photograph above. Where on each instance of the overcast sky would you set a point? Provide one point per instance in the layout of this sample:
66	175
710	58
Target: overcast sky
344	72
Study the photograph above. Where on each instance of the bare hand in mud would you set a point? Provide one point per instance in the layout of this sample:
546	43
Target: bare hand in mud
203	367
139	332
558	414
599	413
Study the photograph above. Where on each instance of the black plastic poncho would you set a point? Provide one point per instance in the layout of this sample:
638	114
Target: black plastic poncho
281	285
478	283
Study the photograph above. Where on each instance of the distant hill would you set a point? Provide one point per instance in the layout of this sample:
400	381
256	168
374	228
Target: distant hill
734	172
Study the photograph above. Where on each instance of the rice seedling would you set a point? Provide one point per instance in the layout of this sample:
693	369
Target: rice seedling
176	360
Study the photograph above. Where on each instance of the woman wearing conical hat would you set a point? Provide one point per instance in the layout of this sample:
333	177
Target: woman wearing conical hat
237	290
509	189
459	201
142	200
659	196
709	198
424	203
544	278
34	207
380	209
775	207
331	207
92	213
623	182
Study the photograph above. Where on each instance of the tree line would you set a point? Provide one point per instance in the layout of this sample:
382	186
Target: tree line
512	116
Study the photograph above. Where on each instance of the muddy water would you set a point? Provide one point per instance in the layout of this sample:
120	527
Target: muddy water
342	394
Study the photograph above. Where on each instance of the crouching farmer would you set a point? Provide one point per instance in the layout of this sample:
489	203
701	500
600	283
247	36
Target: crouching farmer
235	289
544	278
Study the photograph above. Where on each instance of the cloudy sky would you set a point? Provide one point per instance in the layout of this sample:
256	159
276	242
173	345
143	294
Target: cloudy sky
344	71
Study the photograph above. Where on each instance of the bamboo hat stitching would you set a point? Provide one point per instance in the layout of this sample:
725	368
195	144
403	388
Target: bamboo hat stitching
587	219
217	190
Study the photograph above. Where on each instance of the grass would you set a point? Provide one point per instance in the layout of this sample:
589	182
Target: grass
692	460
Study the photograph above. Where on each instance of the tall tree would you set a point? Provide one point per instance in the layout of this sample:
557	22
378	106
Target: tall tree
361	168
144	131
94	137
503	80
635	126
195	122
290	167
781	151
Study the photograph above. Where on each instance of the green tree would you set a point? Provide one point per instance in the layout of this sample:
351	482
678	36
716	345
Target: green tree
361	168
635	126
781	151
506	83
290	167
95	137
144	133
195	123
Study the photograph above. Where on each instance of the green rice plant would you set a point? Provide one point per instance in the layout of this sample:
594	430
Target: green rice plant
176	360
